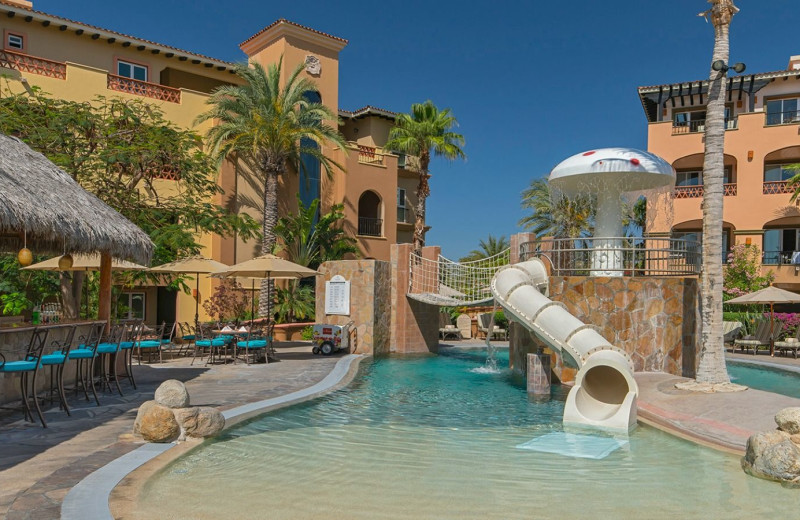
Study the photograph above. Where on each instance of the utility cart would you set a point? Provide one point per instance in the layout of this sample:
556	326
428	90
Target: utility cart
330	338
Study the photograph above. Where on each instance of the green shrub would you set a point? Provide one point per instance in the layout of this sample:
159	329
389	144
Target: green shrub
500	320
307	333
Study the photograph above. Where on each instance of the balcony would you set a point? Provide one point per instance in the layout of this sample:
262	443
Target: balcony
776	187
691	192
370	227
32	64
783	118
143	88
369	155
699	126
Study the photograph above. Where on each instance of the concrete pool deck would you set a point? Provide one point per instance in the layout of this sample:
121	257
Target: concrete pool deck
40	466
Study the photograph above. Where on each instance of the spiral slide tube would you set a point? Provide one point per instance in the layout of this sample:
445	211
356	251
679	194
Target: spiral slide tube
604	395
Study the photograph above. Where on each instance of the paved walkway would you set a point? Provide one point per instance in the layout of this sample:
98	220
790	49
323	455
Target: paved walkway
723	420
38	466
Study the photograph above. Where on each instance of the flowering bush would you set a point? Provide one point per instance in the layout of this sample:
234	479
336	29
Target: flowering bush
227	302
742	274
790	320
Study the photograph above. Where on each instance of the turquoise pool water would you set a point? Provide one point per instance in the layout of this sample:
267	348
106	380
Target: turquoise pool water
765	378
431	438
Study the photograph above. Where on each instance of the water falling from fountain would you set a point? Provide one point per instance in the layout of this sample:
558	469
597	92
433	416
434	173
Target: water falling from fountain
490	366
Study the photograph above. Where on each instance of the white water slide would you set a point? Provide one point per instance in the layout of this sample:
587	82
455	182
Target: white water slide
604	395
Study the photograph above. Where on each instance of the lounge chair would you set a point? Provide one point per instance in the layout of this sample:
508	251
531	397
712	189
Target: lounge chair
789	344
446	328
759	337
484	320
731	330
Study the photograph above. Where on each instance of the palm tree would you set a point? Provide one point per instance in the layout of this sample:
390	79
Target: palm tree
425	131
269	127
556	217
488	248
711	367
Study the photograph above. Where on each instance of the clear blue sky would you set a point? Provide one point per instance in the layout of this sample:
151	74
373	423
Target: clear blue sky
530	82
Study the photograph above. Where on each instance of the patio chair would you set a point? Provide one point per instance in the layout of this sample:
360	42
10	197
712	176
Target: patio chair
446	328
26	367
108	350
85	355
254	341
760	334
731	330
789	344
187	335
132	332
204	340
56	359
484	320
168	339
150	342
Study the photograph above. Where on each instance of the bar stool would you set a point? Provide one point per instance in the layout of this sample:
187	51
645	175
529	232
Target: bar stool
57	359
25	367
84	355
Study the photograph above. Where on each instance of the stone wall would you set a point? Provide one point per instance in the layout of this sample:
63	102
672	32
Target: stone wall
414	325
656	320
370	293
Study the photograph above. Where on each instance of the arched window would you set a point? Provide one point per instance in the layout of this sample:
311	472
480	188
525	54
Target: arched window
778	169
309	167
370	221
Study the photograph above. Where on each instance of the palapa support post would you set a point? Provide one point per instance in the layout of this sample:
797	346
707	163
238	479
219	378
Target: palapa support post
104	303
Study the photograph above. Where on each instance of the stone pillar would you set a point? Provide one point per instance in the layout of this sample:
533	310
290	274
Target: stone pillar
414	325
515	243
538	374
370	302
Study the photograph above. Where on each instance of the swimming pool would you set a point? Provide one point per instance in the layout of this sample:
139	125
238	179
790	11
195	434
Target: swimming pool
765	378
430	438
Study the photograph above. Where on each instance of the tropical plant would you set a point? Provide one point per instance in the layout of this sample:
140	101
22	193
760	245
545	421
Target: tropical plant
310	243
269	127
425	132
21	290
557	216
488	248
120	150
711	367
296	301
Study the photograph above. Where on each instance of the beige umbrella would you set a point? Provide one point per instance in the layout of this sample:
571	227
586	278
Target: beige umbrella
195	265
769	295
84	262
269	267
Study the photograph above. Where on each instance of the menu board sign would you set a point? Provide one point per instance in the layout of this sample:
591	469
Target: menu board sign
337	296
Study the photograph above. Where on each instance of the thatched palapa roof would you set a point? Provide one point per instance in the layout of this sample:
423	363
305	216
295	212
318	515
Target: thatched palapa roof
38	198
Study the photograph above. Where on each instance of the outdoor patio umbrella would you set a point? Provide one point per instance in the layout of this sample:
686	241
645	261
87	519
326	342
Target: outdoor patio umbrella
269	267
769	295
195	265
84	262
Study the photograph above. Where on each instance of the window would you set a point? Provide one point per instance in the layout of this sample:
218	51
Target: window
130	306
779	245
779	172
402	210
695	177
695	239
15	41
783	111
131	70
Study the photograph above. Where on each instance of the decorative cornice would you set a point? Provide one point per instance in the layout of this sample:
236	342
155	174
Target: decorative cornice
282	28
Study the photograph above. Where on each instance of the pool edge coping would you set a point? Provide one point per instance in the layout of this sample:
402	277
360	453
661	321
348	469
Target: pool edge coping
91	496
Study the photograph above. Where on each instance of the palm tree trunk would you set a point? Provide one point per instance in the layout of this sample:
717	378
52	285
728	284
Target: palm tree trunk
71	285
271	170
423	190
712	367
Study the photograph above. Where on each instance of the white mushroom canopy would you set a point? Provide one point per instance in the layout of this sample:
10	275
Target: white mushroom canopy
616	169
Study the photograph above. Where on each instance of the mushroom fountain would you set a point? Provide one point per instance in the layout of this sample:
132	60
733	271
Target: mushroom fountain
608	174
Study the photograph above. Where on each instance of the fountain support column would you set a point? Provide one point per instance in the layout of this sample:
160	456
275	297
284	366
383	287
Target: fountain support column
607	255
539	374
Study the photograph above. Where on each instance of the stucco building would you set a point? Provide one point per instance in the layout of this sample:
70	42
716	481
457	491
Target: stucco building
762	138
77	61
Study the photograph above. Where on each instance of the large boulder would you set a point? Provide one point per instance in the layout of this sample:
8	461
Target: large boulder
157	423
172	394
788	420
143	409
205	422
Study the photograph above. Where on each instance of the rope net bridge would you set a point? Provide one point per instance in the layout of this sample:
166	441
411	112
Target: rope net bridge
446	283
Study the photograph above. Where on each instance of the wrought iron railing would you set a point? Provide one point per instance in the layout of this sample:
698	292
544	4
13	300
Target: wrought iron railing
369	155
691	192
144	88
780	258
370	227
776	187
625	255
783	118
699	125
33	64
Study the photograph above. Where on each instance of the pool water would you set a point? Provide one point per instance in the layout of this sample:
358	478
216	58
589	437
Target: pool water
431	438
765	378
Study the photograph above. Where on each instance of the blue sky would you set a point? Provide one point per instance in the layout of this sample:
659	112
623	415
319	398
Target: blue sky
530	82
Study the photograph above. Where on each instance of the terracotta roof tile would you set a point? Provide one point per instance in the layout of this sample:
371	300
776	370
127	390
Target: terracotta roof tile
284	20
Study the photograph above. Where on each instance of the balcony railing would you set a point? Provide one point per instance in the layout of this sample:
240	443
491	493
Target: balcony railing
369	155
625	255
691	192
370	227
404	216
780	258
783	118
776	187
699	125
34	65
144	88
